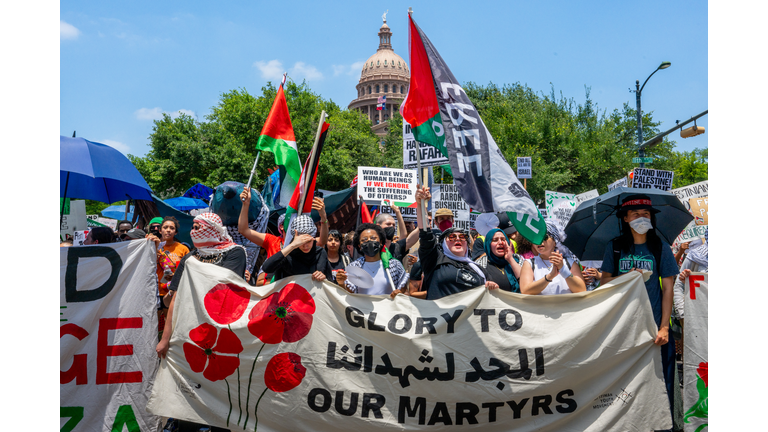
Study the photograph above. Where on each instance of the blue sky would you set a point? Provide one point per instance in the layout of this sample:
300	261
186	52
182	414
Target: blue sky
124	63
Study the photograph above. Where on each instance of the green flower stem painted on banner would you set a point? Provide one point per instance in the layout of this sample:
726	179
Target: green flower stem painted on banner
250	378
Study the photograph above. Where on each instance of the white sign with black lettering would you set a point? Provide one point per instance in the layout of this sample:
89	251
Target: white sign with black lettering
618	183
430	156
646	178
376	184
447	196
524	169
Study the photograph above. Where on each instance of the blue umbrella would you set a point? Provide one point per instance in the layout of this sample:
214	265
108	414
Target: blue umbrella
89	170
117	212
200	191
594	223
185	204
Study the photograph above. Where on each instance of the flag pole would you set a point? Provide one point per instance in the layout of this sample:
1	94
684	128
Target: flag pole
423	220
253	170
311	168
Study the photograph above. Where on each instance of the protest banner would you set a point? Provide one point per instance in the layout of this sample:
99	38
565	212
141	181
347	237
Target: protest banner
74	218
524	168
618	183
699	209
334	361
376	184
646	178
698	190
561	206
108	334
430	156
696	353
447	196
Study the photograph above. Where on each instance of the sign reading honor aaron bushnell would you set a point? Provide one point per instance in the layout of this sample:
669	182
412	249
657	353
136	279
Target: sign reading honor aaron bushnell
108	336
524	169
696	353
305	355
448	196
430	155
376	184
646	178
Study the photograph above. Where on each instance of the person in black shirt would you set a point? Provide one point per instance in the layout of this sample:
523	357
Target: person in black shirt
336	256
301	256
445	261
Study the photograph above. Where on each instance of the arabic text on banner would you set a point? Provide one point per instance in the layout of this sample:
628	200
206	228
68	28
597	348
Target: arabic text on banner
304	355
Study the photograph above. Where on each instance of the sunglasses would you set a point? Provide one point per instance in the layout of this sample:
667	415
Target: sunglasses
457	237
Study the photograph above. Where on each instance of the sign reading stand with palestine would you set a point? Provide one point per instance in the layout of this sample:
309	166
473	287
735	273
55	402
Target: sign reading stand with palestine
524	170
430	156
376	184
646	178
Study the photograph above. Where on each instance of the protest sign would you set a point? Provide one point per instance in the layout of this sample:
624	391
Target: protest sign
334	361
692	232
408	213
108	335
447	196
430	156
646	178
78	237
74	218
398	186
698	190
561	206
696	353
618	183
699	209
524	169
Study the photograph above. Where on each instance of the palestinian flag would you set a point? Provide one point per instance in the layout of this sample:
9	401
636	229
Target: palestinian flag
365	215
441	114
277	137
306	186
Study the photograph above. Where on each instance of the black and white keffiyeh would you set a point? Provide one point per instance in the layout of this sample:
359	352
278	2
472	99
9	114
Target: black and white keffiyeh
556	233
304	225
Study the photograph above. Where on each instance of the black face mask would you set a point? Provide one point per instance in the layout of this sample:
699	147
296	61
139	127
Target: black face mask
371	248
389	232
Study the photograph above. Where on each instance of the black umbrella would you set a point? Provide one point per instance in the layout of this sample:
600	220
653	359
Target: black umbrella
594	223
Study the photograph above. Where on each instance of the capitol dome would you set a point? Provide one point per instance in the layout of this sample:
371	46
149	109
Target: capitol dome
383	74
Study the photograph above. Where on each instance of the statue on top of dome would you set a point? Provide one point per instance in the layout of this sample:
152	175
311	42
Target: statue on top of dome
384	16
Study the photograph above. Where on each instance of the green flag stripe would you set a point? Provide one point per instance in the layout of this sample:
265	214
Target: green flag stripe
285	154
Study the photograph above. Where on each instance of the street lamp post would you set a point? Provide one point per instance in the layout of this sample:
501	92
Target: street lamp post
638	94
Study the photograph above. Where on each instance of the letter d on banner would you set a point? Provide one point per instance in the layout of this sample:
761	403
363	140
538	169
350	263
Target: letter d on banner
74	254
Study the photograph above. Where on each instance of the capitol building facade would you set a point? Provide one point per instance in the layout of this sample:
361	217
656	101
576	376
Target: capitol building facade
384	74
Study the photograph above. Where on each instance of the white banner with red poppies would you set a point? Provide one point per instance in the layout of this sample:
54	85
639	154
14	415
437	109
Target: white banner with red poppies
696	353
108	335
305	355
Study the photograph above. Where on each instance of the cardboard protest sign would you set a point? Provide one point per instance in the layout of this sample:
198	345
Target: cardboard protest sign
696	353
430	156
561	206
698	190
618	183
699	210
398	186
447	196
646	178
108	336
524	168
305	355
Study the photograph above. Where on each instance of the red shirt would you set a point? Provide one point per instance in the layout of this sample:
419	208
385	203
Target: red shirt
272	244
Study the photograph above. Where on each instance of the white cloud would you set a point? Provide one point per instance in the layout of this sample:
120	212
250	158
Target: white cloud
157	113
122	148
301	71
149	113
271	70
68	31
353	69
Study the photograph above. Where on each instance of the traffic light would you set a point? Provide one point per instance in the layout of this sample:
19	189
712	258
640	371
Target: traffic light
691	131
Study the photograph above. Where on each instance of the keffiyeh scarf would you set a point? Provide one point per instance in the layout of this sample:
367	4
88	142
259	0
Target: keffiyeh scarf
212	238
556	232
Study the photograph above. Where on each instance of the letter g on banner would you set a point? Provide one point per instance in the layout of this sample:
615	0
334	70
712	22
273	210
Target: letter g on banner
72	295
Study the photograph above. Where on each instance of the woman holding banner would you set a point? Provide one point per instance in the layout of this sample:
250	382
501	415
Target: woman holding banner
301	256
500	263
445	261
555	270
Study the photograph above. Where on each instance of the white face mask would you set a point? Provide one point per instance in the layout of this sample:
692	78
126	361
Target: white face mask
641	225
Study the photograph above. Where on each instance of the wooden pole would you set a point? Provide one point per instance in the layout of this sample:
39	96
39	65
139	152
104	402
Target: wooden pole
525	184
310	166
423	220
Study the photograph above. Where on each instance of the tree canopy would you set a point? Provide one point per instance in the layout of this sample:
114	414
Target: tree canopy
574	147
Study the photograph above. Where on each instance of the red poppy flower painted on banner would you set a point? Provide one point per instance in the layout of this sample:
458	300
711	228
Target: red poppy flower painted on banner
208	353
226	303
283	316
284	372
703	371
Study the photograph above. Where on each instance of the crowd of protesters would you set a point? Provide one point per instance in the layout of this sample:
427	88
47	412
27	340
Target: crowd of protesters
429	263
